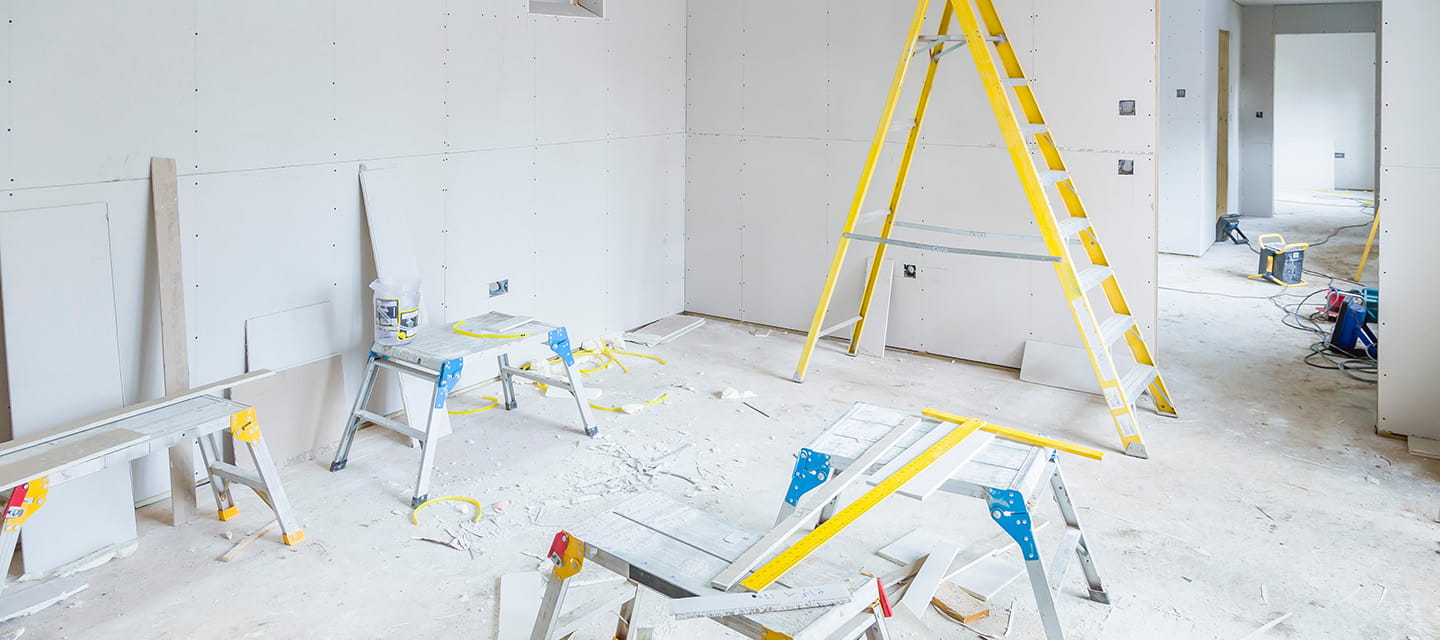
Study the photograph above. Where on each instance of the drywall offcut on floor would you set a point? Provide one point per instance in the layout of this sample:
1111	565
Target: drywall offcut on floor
1271	482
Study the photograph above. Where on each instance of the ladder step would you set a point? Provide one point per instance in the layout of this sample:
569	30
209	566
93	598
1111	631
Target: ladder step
1114	328
839	325
1136	380
1071	226
1093	276
1017	82
1034	129
1052	176
875	214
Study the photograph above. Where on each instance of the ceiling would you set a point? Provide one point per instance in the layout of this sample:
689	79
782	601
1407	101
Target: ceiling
1269	2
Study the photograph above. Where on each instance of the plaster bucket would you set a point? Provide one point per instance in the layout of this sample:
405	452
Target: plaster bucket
397	310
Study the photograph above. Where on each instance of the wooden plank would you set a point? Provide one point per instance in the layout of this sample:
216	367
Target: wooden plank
164	197
803	514
1222	142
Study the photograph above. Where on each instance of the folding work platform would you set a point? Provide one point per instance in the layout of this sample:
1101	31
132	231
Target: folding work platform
29	469
437	356
675	550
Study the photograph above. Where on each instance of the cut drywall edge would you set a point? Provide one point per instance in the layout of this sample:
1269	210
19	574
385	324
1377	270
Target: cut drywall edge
32	599
1057	365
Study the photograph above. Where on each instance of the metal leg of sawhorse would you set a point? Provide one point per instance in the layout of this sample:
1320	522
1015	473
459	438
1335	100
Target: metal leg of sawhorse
1008	509
265	480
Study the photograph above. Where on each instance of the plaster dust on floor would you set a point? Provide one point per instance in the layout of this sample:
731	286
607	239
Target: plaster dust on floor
1269	496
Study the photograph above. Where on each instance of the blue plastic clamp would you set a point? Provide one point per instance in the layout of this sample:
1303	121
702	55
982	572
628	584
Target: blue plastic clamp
560	344
1007	508
812	469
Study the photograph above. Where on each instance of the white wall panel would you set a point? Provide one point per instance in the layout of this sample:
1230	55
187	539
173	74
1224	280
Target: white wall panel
573	83
263	74
575	237
714	66
645	186
389	78
490	75
1407	402
646	44
97	89
783	225
712	225
784	76
491	231
1080	79
864	67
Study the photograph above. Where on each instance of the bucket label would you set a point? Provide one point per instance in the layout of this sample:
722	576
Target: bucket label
409	320
387	312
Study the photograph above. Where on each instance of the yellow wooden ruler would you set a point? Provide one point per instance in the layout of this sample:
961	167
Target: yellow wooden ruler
787	559
1018	435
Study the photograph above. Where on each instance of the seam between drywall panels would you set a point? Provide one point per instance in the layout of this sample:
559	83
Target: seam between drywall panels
9	94
740	177
345	161
445	172
944	145
195	84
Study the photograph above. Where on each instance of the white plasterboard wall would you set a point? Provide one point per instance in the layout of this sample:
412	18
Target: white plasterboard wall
1409	175
487	111
1189	125
783	99
1257	96
1325	105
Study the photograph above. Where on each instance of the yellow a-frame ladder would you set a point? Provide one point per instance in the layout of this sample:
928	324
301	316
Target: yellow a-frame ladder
1019	117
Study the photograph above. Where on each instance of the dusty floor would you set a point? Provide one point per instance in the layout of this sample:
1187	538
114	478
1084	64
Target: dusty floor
1271	495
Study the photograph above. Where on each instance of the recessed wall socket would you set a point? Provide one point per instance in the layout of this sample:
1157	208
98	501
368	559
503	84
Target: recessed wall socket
908	271
1179	93
499	288
1127	167
1127	107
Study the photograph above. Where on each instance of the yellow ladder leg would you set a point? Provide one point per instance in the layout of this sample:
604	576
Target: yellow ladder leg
868	173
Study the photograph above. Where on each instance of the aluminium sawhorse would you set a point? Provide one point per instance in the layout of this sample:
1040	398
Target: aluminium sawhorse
1008	475
437	356
659	544
29	469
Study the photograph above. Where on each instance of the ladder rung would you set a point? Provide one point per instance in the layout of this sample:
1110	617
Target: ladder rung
872	215
1114	327
1093	276
839	325
1052	176
936	38
1071	226
1136	380
1034	129
943	249
235	474
1017	82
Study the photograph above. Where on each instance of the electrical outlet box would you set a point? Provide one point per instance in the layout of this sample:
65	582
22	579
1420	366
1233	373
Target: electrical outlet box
1127	107
1179	93
1127	167
908	271
499	288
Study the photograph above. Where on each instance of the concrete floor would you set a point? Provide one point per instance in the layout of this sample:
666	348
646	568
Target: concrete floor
1271	495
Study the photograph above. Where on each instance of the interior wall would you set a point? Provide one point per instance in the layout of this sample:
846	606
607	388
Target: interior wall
1257	98
1408	224
1325	109
546	150
1189	123
783	100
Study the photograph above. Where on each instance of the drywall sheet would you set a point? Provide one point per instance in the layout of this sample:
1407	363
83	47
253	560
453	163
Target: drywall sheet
290	338
394	243
263	75
1325	111
62	360
389	78
111	83
301	410
713	256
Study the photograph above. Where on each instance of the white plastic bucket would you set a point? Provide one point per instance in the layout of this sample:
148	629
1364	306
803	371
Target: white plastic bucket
397	310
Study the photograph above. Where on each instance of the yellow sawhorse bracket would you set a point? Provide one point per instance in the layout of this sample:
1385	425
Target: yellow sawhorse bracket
1091	289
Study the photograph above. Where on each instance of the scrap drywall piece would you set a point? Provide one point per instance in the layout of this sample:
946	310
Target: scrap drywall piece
928	579
63	363
290	338
1058	365
664	330
877	321
1424	447
393	245
301	410
987	577
912	546
27	600
520	595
